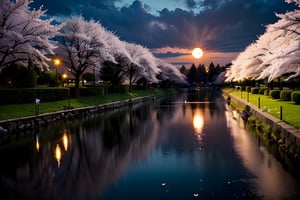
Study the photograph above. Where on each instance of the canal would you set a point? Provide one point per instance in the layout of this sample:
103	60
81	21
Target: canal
188	146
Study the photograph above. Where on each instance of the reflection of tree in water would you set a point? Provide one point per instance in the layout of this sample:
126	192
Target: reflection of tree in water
100	150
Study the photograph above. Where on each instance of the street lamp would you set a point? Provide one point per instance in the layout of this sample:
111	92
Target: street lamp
56	63
64	76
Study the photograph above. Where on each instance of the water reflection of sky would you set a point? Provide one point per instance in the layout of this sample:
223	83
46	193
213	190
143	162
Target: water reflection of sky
272	181
185	148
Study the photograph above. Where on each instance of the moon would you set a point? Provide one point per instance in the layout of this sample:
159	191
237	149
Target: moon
197	53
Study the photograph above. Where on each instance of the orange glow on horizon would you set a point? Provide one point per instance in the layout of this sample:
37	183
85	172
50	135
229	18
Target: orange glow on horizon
184	57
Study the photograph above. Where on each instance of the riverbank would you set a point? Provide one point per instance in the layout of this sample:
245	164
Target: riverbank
285	135
30	122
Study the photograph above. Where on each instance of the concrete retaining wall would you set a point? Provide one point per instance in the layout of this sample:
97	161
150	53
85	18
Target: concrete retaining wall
289	133
26	123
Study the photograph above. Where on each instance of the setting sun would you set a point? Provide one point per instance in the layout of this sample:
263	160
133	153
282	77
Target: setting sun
197	53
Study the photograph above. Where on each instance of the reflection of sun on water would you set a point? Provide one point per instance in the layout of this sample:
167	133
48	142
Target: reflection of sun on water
198	122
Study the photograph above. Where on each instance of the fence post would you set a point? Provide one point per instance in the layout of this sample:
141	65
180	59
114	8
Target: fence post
280	112
258	102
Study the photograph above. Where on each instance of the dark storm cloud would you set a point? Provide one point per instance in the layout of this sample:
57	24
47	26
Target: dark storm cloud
191	4
68	7
219	25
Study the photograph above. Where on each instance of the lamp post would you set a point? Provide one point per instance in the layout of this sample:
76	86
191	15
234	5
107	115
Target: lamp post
64	76
56	63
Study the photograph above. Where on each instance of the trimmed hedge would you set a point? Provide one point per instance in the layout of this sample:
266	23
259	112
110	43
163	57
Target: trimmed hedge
262	90
18	96
296	97
254	90
267	92
285	95
275	94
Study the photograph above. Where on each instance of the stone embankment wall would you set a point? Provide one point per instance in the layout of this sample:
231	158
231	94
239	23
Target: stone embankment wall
27	123
290	134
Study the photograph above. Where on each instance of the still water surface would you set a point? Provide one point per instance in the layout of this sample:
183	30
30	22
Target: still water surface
192	146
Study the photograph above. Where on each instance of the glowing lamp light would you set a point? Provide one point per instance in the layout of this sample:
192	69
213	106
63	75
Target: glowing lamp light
56	62
65	76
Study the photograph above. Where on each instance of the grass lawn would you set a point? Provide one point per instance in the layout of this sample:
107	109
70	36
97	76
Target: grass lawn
13	111
290	111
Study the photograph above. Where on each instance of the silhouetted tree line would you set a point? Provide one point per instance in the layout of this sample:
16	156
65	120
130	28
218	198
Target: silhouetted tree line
202	75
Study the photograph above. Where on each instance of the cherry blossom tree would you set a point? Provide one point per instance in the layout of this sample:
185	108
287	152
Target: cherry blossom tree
24	34
170	72
243	66
277	50
287	52
281	59
249	63
144	65
122	66
296	1
82	46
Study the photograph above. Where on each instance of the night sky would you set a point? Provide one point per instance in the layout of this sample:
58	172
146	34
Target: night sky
172	28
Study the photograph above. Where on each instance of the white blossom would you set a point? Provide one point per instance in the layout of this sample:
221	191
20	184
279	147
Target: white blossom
273	54
24	34
83	45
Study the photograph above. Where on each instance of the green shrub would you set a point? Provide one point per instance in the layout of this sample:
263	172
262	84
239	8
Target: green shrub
267	92
247	108
254	90
285	95
262	90
252	121
275	94
28	95
296	97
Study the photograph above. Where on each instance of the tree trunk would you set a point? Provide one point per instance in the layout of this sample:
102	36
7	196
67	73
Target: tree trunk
77	81
279	84
292	84
130	83
271	85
